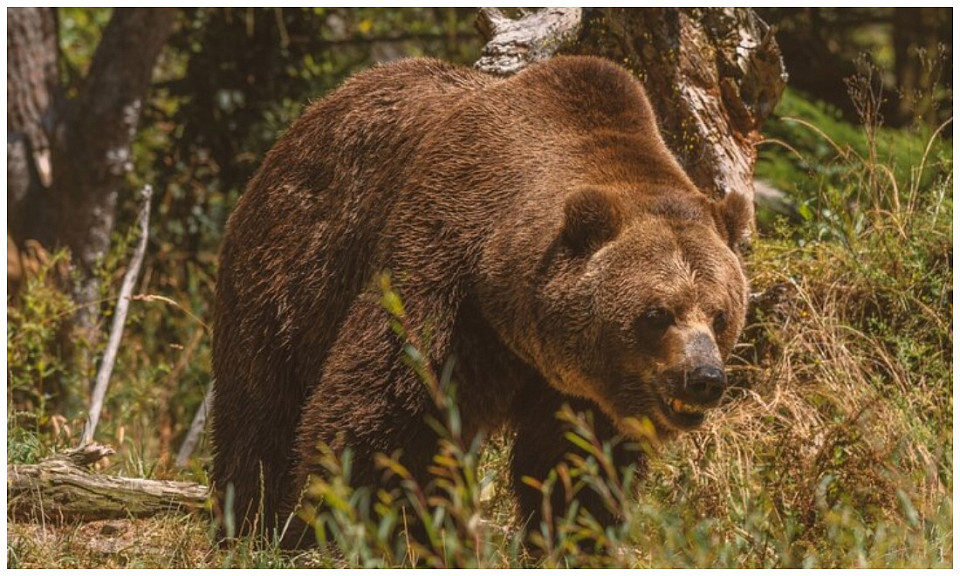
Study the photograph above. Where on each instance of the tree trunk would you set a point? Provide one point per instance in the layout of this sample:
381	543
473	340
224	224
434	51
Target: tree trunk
713	75
31	87
98	129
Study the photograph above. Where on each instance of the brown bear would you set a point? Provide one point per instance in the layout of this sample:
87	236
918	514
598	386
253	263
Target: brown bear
538	228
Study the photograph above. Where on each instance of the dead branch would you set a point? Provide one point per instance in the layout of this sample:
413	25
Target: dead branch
514	44
119	317
196	429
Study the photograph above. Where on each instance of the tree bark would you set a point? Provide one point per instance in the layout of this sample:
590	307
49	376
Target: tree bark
62	488
514	44
713	75
31	87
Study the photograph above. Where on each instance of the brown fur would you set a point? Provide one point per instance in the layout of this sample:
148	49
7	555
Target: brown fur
529	224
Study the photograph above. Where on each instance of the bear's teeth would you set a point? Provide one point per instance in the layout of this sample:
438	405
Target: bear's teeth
679	406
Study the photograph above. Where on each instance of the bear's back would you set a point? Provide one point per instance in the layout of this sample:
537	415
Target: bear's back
300	244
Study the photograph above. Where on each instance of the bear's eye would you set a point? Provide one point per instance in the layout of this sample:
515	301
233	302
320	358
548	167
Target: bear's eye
655	321
719	322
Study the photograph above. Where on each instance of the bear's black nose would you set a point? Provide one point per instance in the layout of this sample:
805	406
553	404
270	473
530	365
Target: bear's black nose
705	384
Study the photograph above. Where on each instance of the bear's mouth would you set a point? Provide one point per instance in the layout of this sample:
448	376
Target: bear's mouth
681	414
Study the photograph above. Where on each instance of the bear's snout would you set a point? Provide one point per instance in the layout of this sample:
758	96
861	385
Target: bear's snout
687	393
695	388
695	374
704	385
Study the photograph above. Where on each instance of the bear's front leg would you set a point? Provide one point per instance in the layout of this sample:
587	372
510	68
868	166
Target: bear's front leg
542	445
370	401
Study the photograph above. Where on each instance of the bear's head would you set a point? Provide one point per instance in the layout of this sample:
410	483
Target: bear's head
650	301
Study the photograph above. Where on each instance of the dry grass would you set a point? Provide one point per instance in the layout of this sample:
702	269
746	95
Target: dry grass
162	542
837	455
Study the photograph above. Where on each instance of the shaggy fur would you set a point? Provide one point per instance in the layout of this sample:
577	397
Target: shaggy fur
536	226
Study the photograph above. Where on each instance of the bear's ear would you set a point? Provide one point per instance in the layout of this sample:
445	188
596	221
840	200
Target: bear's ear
734	215
591	218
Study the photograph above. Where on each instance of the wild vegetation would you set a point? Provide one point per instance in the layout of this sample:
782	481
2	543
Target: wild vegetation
834	449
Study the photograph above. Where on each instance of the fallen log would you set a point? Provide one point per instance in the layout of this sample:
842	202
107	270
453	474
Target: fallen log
63	488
